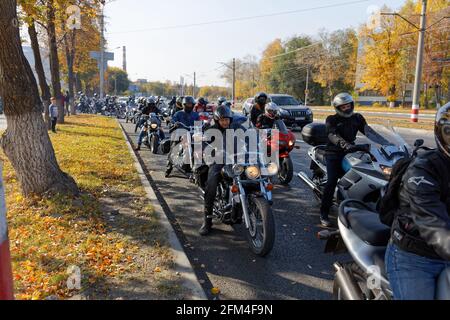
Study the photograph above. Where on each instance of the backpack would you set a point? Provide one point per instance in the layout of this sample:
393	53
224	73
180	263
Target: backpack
390	202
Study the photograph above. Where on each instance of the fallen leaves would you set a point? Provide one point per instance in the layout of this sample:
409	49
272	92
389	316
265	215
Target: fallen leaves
49	234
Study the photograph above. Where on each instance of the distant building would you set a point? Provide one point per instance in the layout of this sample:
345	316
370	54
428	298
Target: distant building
141	81
28	51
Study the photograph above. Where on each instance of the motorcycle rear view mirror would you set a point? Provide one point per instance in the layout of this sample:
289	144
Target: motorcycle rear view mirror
419	143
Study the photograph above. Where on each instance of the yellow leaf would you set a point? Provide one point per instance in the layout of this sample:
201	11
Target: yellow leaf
157	269
215	290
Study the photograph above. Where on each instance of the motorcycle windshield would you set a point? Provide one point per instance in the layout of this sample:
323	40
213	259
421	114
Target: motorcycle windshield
382	135
386	140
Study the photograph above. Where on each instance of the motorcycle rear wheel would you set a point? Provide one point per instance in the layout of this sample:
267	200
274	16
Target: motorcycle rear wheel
261	234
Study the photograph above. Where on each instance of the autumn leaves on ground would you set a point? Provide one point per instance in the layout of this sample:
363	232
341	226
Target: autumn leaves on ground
110	232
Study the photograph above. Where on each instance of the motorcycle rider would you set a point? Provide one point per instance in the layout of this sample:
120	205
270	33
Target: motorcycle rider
187	117
267	119
419	249
341	129
221	100
201	105
258	108
223	120
147	110
178	106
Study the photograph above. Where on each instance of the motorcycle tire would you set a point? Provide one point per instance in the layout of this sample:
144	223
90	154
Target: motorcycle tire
154	144
286	172
268	224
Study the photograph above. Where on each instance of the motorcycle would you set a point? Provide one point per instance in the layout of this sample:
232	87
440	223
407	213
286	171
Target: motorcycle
181	154
285	144
362	235
367	167
153	138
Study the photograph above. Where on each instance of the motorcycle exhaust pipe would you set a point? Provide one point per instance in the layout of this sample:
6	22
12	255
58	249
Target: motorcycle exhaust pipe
346	282
308	181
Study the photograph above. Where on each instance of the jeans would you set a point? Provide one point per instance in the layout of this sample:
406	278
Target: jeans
54	120
334	173
412	277
214	176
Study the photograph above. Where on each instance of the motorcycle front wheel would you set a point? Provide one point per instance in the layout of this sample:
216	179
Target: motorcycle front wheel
286	171
261	233
154	143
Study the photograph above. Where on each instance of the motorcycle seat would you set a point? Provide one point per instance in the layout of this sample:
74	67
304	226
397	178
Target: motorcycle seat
367	226
320	154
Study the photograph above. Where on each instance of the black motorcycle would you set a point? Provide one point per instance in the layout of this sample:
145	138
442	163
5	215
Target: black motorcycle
152	127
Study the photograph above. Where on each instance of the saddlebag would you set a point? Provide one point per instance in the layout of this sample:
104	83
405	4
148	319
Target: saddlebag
315	134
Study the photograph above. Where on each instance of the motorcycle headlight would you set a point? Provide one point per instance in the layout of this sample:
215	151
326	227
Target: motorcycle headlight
252	172
386	170
272	169
238	169
291	143
154	126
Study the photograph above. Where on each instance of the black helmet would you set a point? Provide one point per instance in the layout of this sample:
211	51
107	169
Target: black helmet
202	101
221	100
222	112
343	99
180	102
151	101
188	100
261	98
442	129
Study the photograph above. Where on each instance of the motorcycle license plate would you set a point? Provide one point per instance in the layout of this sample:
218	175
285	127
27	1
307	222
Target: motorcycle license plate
300	118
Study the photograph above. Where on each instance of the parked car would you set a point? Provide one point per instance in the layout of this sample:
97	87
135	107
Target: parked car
293	112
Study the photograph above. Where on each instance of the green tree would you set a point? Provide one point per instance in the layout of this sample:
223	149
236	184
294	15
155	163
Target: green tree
118	81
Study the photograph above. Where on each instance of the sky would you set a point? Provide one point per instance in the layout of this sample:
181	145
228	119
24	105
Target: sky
158	53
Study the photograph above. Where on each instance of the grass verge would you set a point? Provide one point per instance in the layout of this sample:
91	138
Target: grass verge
110	232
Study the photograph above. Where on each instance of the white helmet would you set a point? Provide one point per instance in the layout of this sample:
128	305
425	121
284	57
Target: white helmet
272	110
343	99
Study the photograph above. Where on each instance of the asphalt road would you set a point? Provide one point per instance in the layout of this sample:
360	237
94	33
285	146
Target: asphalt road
296	268
399	115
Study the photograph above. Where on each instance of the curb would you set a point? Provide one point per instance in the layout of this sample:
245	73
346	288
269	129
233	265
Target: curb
182	264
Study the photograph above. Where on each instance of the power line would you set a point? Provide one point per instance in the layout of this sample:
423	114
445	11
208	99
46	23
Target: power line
243	18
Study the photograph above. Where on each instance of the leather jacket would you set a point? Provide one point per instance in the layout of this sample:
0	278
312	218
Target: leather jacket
422	222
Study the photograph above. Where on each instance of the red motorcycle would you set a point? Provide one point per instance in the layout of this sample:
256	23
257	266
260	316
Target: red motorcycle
285	144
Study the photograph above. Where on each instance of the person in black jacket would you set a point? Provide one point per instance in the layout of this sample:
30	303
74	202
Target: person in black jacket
258	108
268	118
223	120
419	249
342	129
149	108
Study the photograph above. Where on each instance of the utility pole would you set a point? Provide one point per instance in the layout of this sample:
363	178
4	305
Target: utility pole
193	89
419	60
419	64
307	88
102	50
124	59
233	97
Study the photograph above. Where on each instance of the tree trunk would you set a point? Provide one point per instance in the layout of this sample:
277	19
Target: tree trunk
70	58
54	62
26	142
45	90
